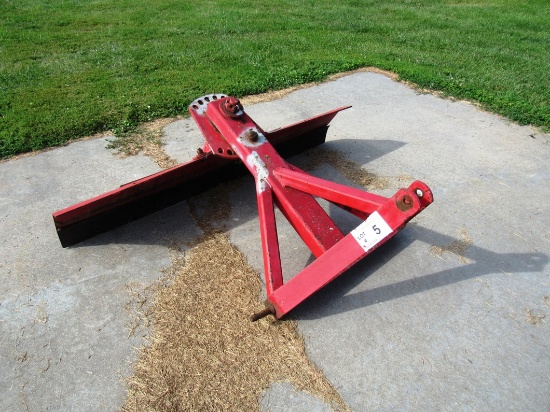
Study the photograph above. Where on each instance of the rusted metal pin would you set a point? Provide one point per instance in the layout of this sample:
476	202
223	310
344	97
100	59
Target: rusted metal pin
405	203
252	135
231	108
262	314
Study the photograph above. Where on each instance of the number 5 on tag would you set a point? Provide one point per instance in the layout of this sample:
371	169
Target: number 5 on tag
371	231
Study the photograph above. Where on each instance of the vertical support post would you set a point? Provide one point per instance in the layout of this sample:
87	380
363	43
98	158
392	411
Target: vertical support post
270	243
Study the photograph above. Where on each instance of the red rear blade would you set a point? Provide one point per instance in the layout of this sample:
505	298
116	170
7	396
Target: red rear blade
141	197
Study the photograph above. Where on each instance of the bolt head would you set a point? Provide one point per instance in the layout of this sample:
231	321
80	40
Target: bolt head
231	107
252	136
232	104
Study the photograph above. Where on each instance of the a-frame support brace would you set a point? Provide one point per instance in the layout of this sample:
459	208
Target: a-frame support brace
230	132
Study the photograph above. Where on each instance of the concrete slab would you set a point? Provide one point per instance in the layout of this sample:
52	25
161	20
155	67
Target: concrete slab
282	397
451	314
64	330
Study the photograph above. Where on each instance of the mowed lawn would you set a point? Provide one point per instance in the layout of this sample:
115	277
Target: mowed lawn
70	68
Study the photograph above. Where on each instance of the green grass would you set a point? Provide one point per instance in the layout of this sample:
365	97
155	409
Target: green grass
72	68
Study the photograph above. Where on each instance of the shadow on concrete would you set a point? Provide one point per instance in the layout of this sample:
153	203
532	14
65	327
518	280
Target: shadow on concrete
167	227
480	262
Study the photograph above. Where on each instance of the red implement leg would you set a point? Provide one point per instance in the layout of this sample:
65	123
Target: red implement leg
270	244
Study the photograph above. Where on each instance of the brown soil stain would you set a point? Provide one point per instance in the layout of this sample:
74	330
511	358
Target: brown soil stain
203	352
147	139
457	247
535	317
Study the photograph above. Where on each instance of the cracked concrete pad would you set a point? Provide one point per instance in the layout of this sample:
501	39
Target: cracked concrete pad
450	314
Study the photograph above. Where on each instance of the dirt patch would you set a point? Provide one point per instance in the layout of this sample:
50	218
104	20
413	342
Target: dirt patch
147	139
204	353
457	247
391	75
535	317
351	170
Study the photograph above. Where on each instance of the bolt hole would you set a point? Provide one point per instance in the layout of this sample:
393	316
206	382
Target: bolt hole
215	97
419	193
230	152
195	107
220	150
200	102
207	99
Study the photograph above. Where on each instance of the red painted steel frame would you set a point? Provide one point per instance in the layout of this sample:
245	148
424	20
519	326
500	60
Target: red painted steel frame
231	135
229	132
